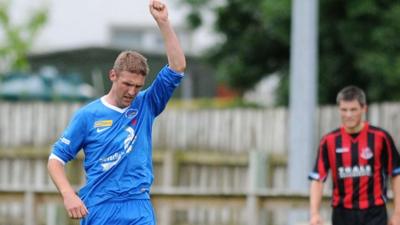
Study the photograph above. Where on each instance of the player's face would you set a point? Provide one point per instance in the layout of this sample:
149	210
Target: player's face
126	86
351	114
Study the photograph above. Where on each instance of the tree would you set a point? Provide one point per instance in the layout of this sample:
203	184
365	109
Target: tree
256	43
18	39
357	45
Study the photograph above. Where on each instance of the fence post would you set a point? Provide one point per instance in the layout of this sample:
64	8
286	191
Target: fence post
257	173
29	208
51	211
170	167
165	214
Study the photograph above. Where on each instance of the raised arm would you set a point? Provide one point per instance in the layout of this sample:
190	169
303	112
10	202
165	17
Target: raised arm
176	57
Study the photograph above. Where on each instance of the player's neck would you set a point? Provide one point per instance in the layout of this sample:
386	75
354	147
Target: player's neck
354	130
110	100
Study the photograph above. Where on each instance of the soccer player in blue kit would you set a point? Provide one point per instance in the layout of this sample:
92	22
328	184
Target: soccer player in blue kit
115	135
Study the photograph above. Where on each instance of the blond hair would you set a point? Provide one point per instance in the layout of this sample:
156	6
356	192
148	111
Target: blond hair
132	62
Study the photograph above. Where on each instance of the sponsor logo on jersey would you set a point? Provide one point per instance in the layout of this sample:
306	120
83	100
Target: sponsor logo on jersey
366	153
110	161
355	171
342	150
131	113
101	129
65	141
103	123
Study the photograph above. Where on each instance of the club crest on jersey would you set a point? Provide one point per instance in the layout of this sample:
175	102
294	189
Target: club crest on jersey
131	113
342	150
366	153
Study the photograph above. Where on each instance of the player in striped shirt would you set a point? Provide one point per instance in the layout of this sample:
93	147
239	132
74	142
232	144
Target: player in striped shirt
361	158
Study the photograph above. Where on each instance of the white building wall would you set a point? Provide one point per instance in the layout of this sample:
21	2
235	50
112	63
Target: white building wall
76	23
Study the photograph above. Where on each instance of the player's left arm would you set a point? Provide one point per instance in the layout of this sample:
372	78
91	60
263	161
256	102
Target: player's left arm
393	166
175	55
395	219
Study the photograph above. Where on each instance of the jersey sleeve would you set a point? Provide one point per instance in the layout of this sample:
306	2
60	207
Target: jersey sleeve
321	168
68	145
390	156
162	88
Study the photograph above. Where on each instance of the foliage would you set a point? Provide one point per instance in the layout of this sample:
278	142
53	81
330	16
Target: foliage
357	45
18	39
212	103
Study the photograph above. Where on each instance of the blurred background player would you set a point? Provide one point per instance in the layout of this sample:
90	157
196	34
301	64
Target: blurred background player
361	158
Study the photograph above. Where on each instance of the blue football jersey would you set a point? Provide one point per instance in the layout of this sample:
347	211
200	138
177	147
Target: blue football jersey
117	142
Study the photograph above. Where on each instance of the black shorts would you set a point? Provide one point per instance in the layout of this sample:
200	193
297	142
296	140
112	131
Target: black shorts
372	216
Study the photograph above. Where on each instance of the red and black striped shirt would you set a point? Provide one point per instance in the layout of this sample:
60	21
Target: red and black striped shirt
360	166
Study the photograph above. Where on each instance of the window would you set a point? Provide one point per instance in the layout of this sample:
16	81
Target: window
126	38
